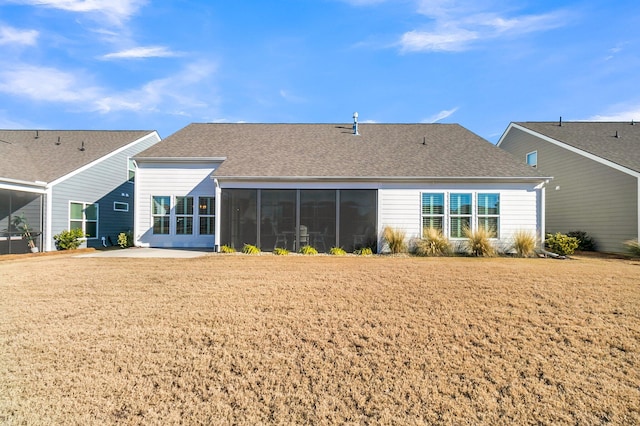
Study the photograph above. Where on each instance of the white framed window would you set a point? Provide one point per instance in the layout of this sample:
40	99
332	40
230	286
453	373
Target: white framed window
131	170
84	216
206	215
160	211
488	210
460	214
433	210
184	215
119	206
532	159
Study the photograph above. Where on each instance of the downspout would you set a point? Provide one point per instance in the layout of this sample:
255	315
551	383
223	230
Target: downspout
543	215
49	219
216	236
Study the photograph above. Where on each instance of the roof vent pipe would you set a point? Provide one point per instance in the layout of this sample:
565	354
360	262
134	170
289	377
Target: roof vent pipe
560	124
58	143
36	135
82	147
617	135
632	122
355	124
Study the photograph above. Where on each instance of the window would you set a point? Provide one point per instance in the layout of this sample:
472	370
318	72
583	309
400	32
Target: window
120	207
184	215
460	214
131	168
206	212
532	159
432	211
84	216
160	212
489	213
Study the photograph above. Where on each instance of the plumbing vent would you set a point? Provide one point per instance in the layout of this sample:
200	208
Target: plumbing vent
355	124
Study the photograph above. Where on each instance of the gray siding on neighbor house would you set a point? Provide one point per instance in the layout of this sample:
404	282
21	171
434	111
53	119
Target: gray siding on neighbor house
103	183
584	195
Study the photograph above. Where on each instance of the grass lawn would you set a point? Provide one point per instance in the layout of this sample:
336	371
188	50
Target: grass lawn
238	339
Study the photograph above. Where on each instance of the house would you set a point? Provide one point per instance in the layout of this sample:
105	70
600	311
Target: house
596	175
66	179
289	185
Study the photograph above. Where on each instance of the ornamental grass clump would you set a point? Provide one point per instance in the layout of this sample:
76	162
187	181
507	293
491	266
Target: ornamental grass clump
227	249
337	251
478	242
395	239
524	243
364	251
432	243
250	249
279	251
633	247
308	250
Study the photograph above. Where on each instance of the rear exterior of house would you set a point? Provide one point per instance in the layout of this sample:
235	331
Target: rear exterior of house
62	180
596	176
289	185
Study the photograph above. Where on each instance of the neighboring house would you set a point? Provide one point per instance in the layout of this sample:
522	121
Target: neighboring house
596	174
65	179
288	185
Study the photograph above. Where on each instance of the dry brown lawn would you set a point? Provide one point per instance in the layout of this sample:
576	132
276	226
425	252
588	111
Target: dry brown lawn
232	339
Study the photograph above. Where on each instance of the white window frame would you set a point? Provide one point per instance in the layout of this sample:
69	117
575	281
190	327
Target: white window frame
131	167
154	215
186	216
116	209
442	216
452	216
200	216
84	219
482	216
532	154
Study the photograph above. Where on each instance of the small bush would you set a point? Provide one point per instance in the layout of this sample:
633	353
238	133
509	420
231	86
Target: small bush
279	251
250	249
364	251
585	242
308	250
125	239
395	238
68	240
337	251
227	249
524	243
633	246
432	243
478	242
561	244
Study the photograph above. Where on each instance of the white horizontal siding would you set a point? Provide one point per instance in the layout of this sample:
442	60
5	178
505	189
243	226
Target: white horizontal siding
519	209
171	180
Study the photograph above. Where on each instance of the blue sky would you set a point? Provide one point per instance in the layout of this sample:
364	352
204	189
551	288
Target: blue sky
141	64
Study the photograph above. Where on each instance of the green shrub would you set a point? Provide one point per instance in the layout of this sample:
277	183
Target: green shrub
478	242
561	244
585	242
227	249
364	251
633	246
250	249
125	239
395	239
337	251
308	250
432	243
524	243
68	240
279	251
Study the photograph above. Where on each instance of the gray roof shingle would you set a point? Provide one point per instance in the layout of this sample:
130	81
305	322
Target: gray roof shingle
23	156
332	151
597	138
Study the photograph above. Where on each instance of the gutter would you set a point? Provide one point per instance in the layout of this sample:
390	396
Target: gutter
23	185
544	179
179	159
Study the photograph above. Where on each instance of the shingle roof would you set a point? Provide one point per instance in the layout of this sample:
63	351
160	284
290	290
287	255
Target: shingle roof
23	156
597	138
331	150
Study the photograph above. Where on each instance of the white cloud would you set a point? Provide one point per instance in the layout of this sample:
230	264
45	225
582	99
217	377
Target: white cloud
455	25
142	52
628	114
440	116
184	91
288	96
116	11
45	84
10	35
